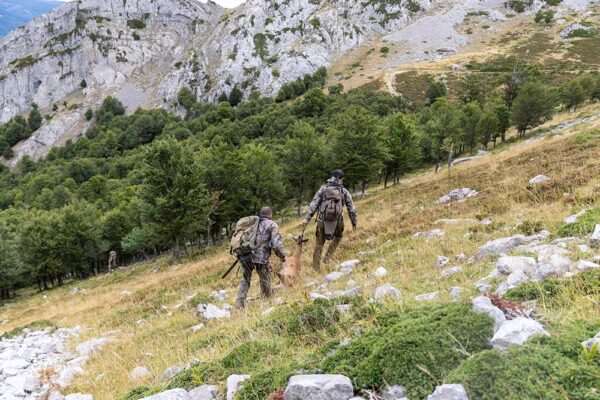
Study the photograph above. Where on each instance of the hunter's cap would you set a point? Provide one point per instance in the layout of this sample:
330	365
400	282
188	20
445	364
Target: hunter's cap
338	173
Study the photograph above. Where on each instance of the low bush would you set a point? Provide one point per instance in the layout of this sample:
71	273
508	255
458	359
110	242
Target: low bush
544	368
416	349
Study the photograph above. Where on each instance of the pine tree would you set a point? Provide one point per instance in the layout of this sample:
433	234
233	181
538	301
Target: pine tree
533	105
35	118
402	147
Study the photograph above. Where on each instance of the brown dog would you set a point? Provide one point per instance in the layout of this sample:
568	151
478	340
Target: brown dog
290	271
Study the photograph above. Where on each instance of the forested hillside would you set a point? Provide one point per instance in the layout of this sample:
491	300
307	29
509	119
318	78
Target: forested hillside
151	181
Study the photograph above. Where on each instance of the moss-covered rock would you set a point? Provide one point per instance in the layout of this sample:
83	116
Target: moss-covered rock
416	349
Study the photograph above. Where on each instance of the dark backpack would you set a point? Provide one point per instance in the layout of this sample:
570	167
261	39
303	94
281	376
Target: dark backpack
331	207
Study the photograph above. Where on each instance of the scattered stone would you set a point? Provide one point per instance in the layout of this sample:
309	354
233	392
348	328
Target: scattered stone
79	396
235	383
461	256
74	291
387	290
516	331
319	387
457	195
139	373
170	372
125	293
205	392
583	265
395	392
436	233
455	292
143	323
556	266
354	292
349	264
584	248
591	342
210	311
538	179
503	246
483	305
196	328
427	296
575	217
449	392
92	346
333	276
595	239
516	278
219	295
450	271
509	264
351	283
173	394
99	377
453	221
442	261
380	272
344	308
268	311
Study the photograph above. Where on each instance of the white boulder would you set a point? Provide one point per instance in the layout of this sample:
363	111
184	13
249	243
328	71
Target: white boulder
380	272
333	276
205	392
139	373
436	233
509	264
583	265
427	296
516	331
442	261
595	239
457	195
319	387
173	394
483	305
538	179
79	396
210	311
450	271
394	392
593	341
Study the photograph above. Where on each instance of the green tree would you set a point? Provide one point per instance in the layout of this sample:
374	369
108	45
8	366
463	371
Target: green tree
436	90
11	268
304	159
358	145
402	147
469	118
35	118
441	131
236	96
186	99
534	104
572	94
173	193
487	127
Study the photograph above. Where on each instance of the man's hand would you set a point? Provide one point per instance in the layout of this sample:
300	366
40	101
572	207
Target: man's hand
304	221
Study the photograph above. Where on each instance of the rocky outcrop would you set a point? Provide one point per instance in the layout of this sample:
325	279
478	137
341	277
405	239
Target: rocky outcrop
319	387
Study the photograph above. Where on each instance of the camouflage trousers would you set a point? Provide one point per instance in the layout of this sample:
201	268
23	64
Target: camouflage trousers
320	242
264	276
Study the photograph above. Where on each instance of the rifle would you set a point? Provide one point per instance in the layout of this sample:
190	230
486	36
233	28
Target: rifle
230	268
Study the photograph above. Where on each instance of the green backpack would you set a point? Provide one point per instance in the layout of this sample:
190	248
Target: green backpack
243	241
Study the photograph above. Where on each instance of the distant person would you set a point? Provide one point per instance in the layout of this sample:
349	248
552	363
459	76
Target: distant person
329	201
267	240
112	260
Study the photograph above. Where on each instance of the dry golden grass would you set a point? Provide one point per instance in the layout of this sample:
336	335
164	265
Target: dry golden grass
388	219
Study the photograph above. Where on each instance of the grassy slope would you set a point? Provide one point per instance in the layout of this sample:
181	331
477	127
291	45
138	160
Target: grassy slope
388	218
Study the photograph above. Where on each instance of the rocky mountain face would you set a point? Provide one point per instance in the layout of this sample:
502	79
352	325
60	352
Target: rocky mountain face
144	51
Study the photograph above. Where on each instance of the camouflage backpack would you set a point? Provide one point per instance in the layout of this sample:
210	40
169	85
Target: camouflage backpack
243	241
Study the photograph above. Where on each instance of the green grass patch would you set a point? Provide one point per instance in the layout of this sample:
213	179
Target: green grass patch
584	225
36	325
586	283
416	349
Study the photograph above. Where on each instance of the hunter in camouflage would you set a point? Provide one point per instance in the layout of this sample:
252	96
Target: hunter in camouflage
268	239
315	207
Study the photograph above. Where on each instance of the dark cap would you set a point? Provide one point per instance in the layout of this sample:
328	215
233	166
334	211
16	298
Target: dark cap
338	173
266	212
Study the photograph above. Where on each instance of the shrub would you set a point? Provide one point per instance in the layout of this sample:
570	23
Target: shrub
384	50
139	393
136	24
261	385
416	349
530	227
544	16
584	225
544	368
136	36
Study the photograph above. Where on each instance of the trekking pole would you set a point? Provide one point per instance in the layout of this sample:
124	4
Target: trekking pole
230	268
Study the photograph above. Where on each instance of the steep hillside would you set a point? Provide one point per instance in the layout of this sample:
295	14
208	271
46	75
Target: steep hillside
152	306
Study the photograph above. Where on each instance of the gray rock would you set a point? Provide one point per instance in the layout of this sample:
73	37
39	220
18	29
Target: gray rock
387	290
442	261
449	392
504	246
219	295
349	264
173	394
235	383
483	305
436	233
139	373
457	195
380	272
593	341
538	179
211	311
516	278
427	297
319	387
509	264
450	271
516	331
595	239
196	328
575	217
395	392
565	33
171	372
455	292
333	276
79	396
205	392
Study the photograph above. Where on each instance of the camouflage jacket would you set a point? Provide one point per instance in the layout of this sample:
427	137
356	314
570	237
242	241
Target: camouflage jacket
267	239
315	204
